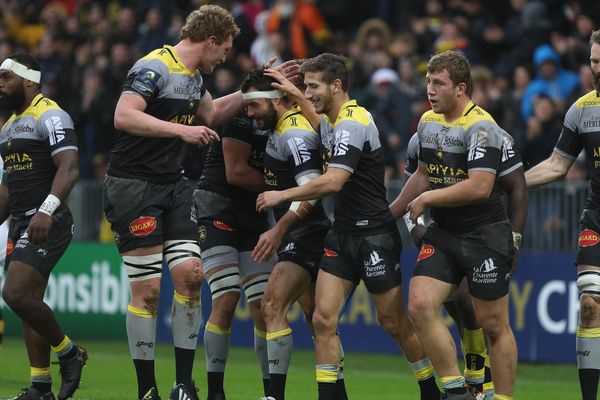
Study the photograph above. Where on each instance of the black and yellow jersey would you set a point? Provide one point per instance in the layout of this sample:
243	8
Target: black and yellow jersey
474	142
28	141
172	93
242	130
351	142
293	150
581	130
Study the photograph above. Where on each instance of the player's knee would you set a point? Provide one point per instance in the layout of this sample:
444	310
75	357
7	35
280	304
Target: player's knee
390	323
13	298
419	310
589	310
150	299
223	308
494	326
269	308
324	323
191	279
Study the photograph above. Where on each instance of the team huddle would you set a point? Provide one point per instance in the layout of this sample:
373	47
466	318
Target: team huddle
289	137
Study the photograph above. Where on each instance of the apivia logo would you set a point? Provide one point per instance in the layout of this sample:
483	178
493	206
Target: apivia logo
299	150
56	132
342	137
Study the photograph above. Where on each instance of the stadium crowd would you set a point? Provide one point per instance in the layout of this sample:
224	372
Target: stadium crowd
530	57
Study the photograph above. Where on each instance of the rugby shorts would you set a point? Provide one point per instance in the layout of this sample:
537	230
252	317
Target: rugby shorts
588	242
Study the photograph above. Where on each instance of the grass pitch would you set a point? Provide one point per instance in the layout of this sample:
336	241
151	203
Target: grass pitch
109	375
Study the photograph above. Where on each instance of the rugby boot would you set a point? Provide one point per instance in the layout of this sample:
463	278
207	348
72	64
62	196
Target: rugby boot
183	392
70	373
463	396
151	395
476	391
33	394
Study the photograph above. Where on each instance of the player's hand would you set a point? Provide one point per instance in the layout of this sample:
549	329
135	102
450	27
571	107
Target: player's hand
197	135
417	234
284	84
38	228
289	69
267	245
268	200
417	207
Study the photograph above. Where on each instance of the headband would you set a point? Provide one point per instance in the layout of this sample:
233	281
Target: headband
21	70
271	94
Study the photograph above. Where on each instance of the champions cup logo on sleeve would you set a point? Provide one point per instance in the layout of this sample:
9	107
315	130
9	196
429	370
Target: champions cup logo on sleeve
587	238
9	247
427	251
142	226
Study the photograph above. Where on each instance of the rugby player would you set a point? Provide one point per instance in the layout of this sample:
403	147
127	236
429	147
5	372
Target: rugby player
292	158
581	130
459	304
460	150
41	165
229	228
364	242
146	199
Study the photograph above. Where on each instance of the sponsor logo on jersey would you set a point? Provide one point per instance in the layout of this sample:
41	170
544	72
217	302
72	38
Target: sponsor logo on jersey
329	253
10	246
223	226
145	81
485	273
299	150
427	251
201	233
342	137
23	128
142	226
56	132
587	238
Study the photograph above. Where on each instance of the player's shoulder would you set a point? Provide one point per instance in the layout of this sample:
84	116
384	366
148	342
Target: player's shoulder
431	116
163	60
294	123
591	99
352	113
43	108
477	117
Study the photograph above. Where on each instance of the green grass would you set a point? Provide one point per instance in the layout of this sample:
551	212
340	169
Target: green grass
109	375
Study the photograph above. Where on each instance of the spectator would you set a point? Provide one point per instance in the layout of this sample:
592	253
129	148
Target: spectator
543	130
552	81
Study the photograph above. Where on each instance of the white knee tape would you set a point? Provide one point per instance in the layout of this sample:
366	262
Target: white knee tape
255	287
223	281
178	251
140	268
588	282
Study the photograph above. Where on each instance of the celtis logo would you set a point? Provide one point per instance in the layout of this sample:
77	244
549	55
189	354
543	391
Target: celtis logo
588	238
329	253
427	251
23	128
223	226
142	226
10	246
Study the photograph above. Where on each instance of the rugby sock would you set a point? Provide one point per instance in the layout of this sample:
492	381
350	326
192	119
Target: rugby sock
65	349
260	347
474	350
279	347
185	325
41	379
454	384
340	386
423	372
326	378
588	361
488	383
216	348
141	334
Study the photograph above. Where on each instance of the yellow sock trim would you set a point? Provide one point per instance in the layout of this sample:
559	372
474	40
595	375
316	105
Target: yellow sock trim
1	326
588	332
258	332
423	373
186	300
277	335
217	329
488	387
65	342
474	374
446	379
139	312
34	371
501	397
326	376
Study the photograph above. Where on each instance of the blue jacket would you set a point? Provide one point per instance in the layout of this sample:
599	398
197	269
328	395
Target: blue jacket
559	88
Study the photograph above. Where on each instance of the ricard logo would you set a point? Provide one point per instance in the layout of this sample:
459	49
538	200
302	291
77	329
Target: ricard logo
142	226
588	238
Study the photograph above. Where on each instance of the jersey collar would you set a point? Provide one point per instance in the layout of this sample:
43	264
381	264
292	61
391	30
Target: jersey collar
175	55
349	103
293	110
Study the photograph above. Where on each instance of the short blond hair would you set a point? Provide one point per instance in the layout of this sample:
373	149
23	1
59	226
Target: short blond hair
207	21
595	37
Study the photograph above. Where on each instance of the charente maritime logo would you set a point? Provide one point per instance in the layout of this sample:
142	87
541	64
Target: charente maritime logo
485	273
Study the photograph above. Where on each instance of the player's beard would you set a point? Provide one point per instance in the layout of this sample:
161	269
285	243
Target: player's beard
596	81
270	118
13	101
